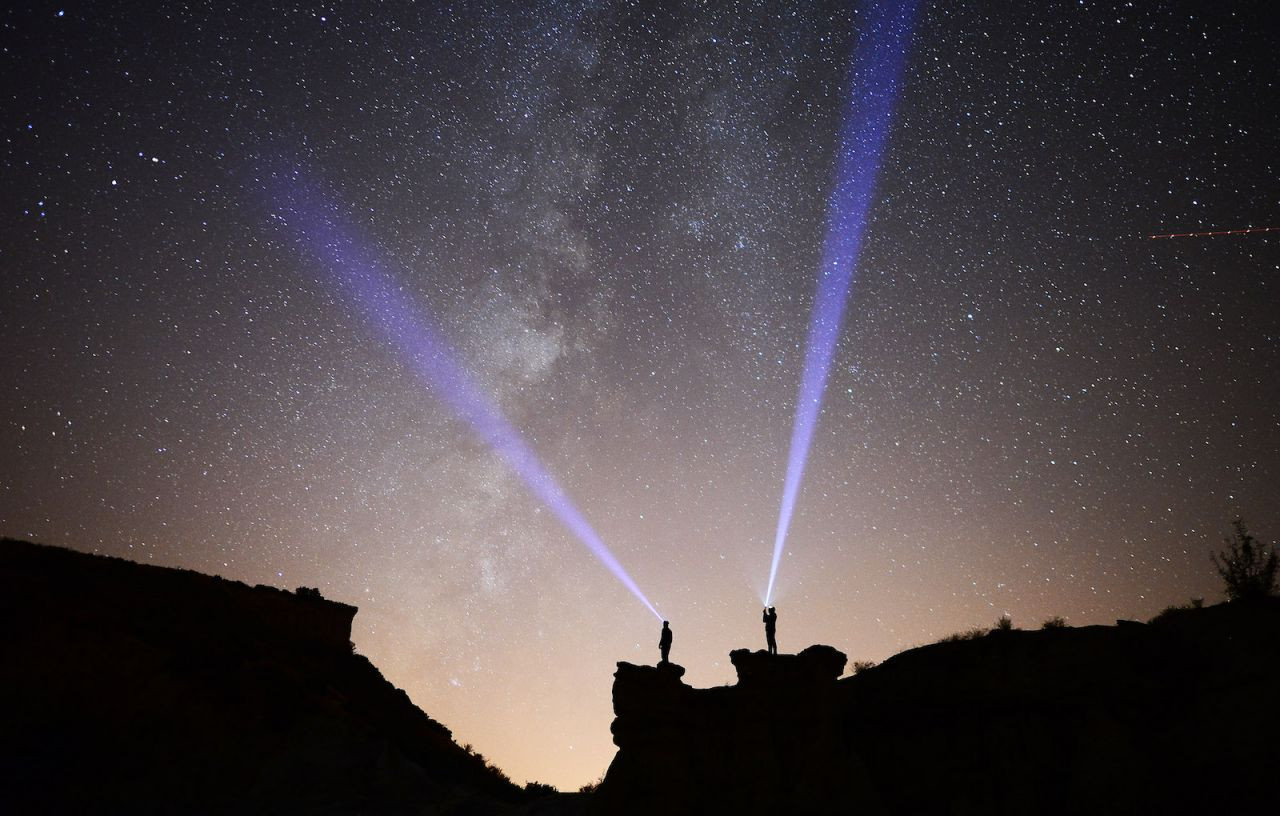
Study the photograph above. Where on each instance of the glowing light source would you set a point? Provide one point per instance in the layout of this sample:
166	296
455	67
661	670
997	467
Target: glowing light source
364	278
873	89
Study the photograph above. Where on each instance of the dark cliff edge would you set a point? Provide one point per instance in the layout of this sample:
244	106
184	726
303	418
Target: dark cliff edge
134	688
141	689
1176	716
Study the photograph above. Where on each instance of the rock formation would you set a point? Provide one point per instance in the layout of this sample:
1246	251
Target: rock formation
732	749
132	688
1176	716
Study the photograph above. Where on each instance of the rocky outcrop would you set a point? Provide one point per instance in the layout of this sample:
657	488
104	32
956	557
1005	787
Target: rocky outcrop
817	667
132	688
763	743
1176	716
51	582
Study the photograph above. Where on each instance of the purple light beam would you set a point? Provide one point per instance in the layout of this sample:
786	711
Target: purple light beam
362	276
873	89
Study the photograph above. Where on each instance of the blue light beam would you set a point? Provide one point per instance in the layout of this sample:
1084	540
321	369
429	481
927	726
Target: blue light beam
362	276
875	76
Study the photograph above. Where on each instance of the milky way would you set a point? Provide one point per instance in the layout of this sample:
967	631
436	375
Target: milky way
614	215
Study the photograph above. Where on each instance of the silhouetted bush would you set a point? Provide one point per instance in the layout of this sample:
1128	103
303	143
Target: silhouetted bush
1175	609
540	789
1247	567
1004	624
1056	622
591	787
310	592
496	771
860	666
968	634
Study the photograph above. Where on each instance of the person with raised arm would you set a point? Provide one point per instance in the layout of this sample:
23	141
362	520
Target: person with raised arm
771	629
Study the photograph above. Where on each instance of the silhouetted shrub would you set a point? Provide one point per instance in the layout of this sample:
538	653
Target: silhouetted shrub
860	666
1247	567
1004	624
968	634
498	772
540	789
310	592
591	787
1056	622
1175	609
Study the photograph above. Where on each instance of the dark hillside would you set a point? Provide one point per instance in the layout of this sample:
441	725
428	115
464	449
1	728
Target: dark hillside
1176	716
1180	715
132	688
150	690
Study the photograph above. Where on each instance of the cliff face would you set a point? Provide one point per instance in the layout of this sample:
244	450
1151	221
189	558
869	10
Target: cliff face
1170	717
51	583
731	749
141	689
130	688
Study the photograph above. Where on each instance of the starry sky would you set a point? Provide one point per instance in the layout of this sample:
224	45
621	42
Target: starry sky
614	212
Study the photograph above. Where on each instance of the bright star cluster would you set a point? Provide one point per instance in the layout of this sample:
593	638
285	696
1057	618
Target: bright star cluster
614	213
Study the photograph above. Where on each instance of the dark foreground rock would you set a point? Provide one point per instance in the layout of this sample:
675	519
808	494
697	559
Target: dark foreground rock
729	749
1178	716
131	688
136	689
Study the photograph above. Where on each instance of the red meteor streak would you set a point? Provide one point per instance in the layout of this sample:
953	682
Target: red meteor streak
1215	232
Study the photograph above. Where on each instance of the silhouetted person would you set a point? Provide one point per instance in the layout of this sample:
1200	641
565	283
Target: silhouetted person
771	628
664	642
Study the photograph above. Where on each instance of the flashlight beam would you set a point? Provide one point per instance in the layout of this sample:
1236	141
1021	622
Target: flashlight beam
363	277
873	88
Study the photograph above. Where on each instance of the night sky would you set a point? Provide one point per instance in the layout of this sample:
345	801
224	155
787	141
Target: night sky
614	214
